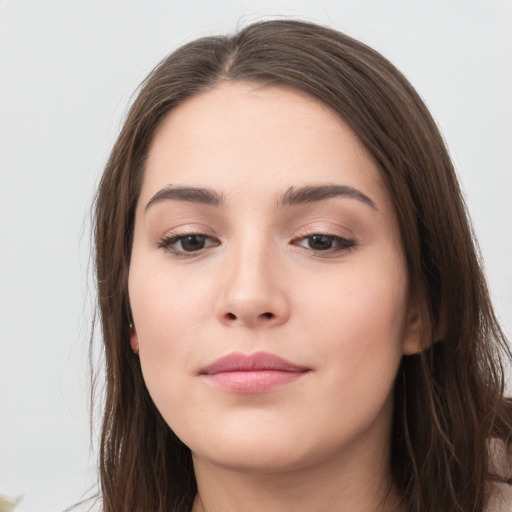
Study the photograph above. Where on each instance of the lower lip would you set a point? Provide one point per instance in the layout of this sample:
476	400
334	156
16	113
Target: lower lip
256	381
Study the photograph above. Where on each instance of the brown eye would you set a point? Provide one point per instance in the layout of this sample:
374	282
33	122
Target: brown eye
187	243
192	243
320	242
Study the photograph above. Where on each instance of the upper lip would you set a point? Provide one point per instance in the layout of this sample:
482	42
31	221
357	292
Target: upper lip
259	361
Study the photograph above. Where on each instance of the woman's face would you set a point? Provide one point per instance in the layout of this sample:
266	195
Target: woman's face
267	282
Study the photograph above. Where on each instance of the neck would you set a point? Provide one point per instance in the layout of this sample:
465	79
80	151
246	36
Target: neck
353	481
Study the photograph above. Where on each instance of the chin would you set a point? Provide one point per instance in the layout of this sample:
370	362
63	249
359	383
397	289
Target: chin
263	450
259	458
249	447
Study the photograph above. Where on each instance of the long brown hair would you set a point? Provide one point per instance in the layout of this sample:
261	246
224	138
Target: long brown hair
448	400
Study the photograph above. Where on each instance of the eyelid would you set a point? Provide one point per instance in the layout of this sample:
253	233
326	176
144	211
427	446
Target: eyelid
167	241
344	243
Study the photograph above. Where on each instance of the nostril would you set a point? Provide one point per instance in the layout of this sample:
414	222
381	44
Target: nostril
263	316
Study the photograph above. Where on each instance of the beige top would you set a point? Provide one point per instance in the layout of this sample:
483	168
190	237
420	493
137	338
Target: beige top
501	499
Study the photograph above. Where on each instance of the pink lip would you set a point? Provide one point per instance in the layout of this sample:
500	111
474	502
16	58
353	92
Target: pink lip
254	373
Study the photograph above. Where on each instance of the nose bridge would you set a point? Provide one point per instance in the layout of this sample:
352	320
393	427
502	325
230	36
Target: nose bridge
253	293
252	272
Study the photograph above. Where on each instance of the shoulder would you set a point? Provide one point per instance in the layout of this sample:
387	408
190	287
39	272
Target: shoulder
501	498
501	465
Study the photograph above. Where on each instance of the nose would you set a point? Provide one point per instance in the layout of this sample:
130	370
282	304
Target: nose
253	291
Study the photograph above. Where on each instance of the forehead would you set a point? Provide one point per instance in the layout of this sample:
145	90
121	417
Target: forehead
264	139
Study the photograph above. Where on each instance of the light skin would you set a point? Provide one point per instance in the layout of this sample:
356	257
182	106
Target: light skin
263	226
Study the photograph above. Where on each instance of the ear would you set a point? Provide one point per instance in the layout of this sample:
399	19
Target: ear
416	328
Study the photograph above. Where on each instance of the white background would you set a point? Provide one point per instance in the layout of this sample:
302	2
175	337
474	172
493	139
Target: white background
67	71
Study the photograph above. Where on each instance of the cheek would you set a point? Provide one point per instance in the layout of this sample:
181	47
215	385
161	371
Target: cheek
168	321
163	300
360	319
360	329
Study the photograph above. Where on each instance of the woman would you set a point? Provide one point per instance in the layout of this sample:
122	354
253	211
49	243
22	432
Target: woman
282	242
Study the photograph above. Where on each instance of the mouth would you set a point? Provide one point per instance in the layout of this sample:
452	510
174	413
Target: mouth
254	373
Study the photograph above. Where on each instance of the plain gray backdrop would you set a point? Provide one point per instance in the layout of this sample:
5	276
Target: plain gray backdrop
67	72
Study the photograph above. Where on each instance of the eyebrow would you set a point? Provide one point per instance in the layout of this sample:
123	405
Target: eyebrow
199	195
312	194
292	197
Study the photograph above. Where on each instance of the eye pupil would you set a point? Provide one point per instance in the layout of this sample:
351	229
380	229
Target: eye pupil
193	242
320	242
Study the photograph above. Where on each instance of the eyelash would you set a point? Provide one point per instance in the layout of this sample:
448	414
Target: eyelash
342	244
168	243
